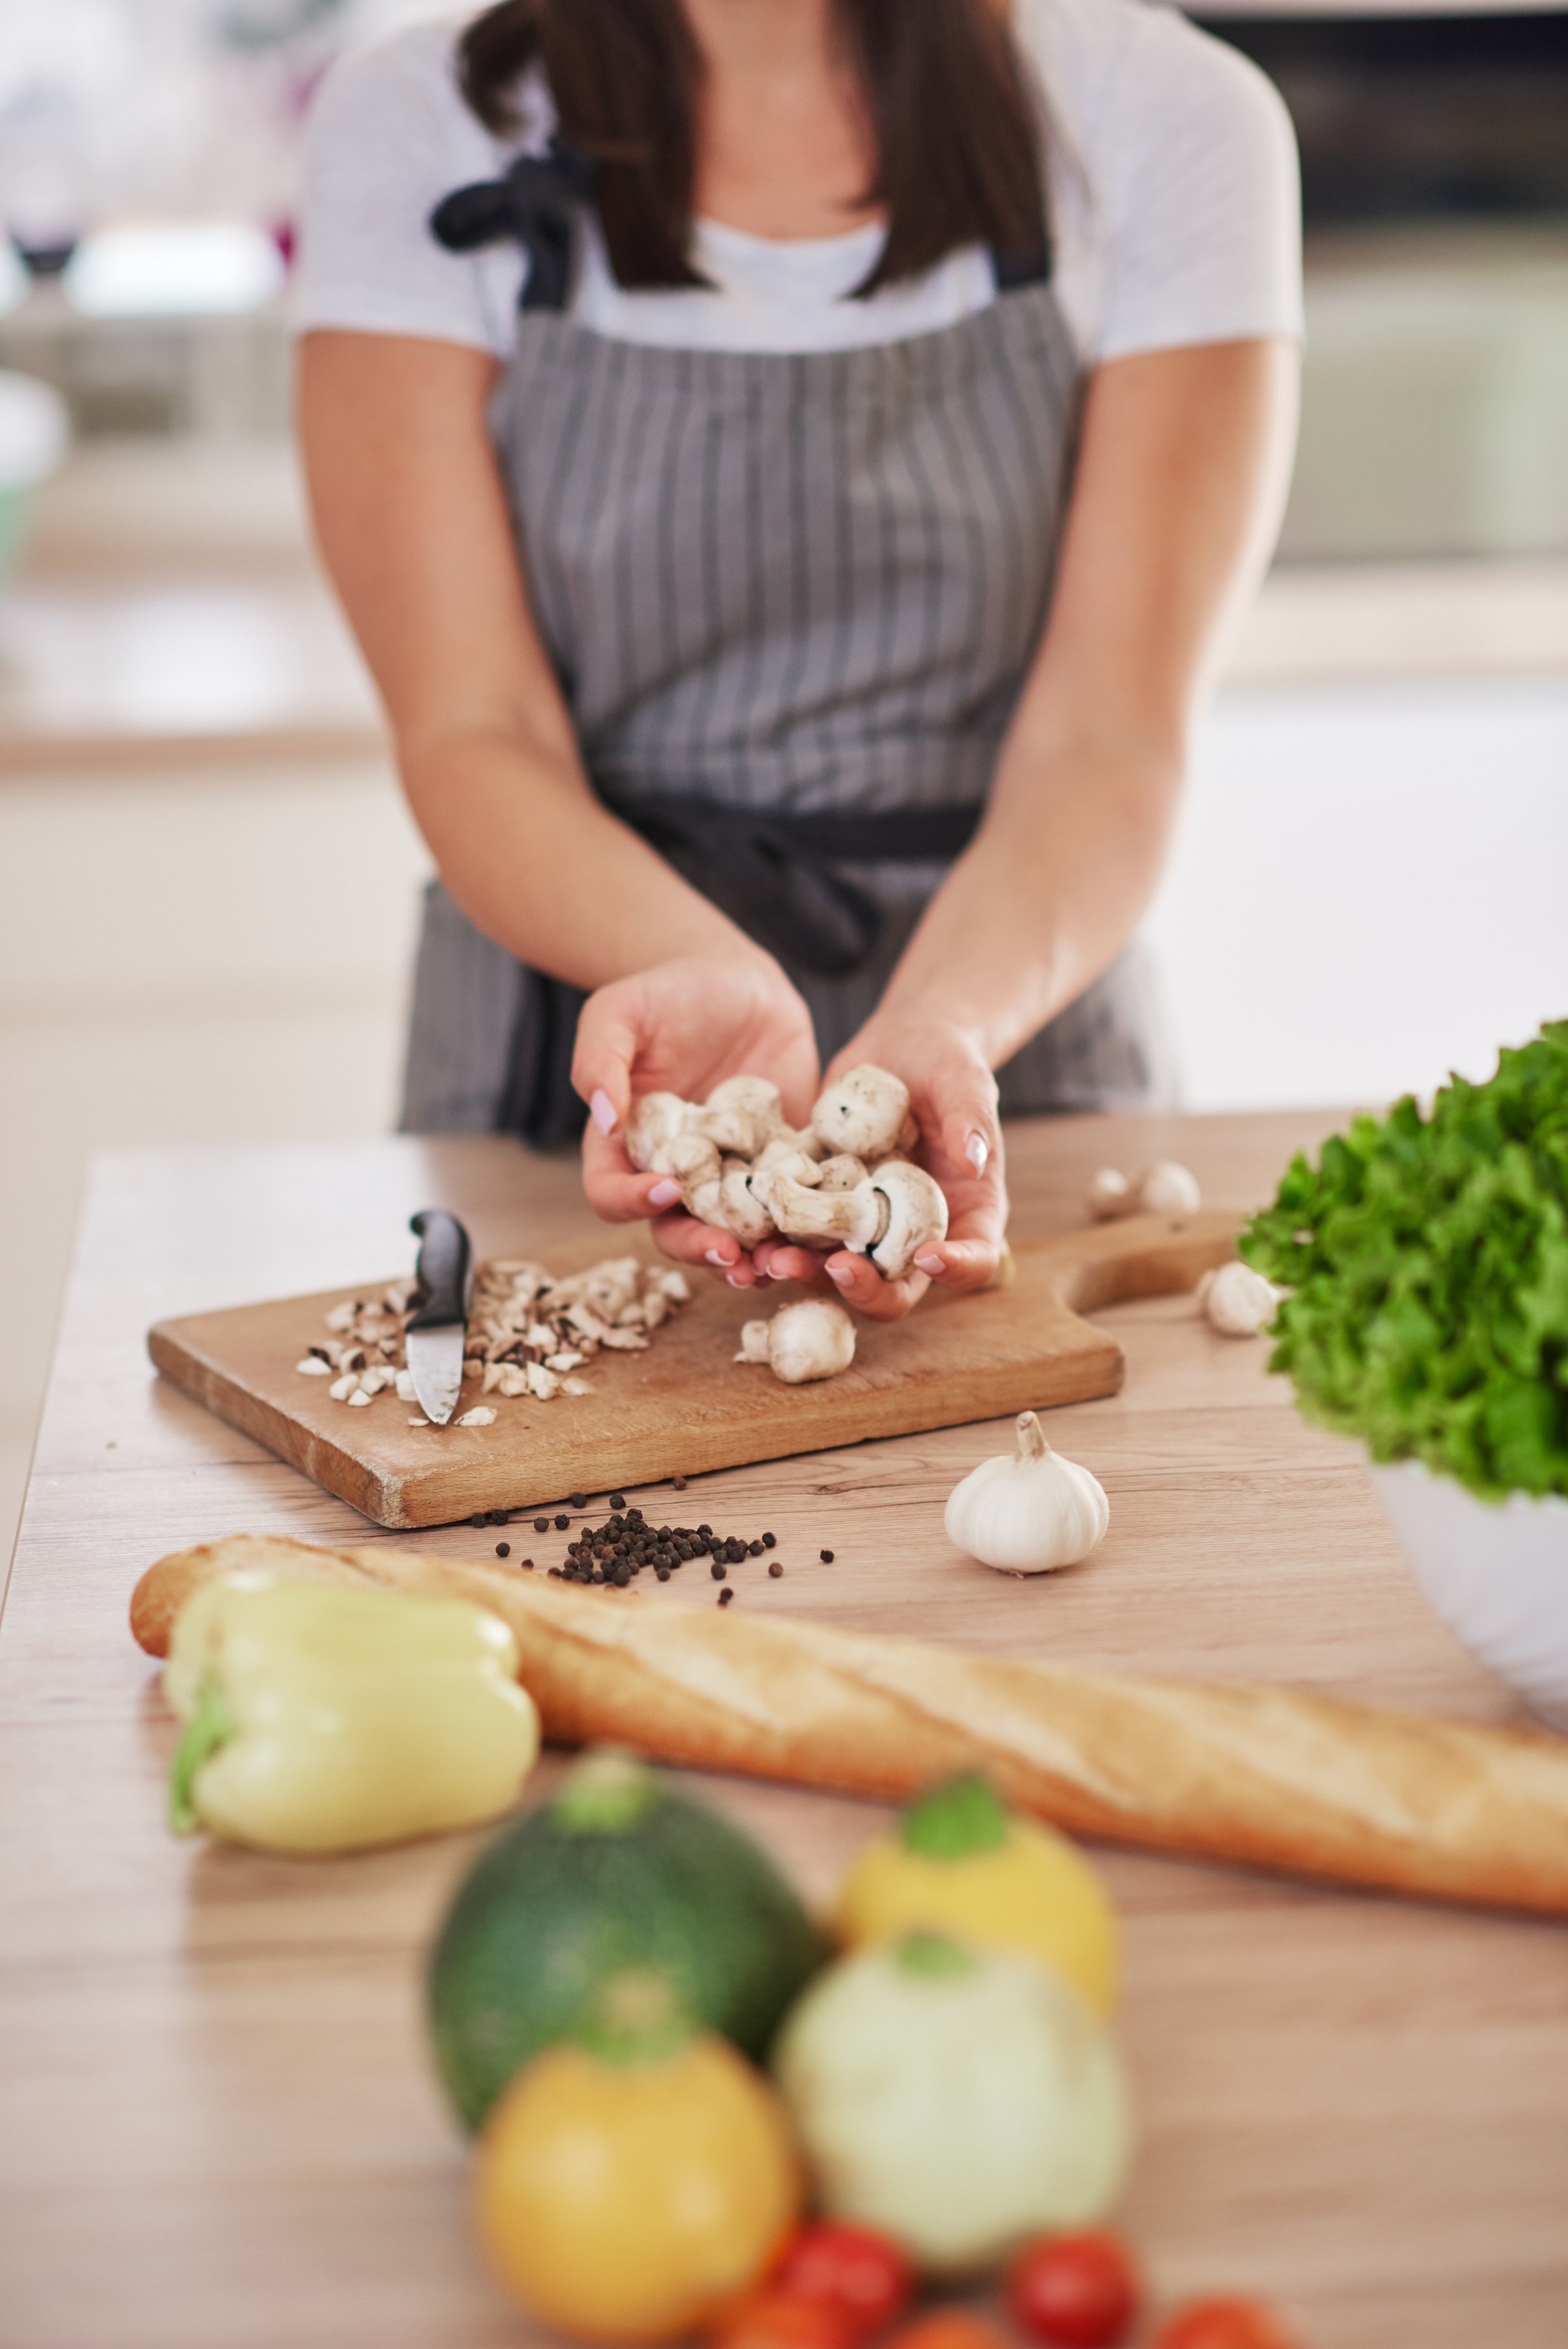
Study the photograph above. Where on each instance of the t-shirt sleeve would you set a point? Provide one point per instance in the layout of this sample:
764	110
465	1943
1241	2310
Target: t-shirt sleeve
388	136
1193	202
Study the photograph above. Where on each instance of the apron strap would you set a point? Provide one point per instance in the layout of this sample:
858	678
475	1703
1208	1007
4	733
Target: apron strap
534	205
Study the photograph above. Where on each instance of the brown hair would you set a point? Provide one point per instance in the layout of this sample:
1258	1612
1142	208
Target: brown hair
957	158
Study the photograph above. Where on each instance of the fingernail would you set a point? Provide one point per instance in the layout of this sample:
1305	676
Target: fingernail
717	1256
977	1152
778	1272
841	1273
664	1194
929	1264
602	1110
739	1279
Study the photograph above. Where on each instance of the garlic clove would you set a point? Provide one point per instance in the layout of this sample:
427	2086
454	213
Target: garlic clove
1238	1301
1169	1189
1028	1512
1109	1193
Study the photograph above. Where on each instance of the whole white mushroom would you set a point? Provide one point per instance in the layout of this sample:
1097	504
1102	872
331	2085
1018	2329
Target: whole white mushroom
813	1338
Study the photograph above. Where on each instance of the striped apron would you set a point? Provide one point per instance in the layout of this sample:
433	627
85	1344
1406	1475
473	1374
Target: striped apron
791	599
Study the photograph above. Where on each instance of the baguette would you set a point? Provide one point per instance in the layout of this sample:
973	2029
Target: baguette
1262	1776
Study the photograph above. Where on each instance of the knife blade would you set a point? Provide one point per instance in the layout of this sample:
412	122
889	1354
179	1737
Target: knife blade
433	1338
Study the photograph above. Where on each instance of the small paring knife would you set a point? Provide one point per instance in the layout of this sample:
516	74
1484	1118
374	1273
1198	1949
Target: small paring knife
433	1339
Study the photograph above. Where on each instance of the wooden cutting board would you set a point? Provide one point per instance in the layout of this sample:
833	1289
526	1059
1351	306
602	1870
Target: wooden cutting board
686	1406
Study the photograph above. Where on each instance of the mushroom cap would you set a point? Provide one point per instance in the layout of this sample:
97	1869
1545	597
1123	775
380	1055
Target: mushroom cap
656	1121
741	1114
842	1171
813	1338
863	1112
917	1214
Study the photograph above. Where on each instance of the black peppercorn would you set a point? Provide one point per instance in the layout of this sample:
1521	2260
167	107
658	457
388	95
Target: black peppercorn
776	1570
562	1522
480	1517
754	1549
725	1597
826	1556
705	1533
679	1482
719	1570
541	1524
663	1573
528	1562
617	1500
578	1500
503	1549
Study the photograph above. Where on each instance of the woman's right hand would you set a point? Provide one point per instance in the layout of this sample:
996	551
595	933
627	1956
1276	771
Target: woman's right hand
681	1028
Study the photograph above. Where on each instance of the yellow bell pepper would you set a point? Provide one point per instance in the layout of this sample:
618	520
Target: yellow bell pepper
960	1864
634	2185
321	1720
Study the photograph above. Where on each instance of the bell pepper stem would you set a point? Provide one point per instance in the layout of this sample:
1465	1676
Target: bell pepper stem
209	1727
955	1820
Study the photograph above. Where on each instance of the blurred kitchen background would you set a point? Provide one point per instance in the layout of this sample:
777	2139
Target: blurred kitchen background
208	884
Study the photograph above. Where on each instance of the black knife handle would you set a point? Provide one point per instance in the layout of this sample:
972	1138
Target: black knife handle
444	1270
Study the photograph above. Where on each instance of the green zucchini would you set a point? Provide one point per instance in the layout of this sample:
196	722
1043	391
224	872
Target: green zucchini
617	1871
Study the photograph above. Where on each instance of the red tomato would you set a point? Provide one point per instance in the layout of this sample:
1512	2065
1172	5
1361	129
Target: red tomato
1223	2325
868	2276
788	2320
950	2328
1076	2292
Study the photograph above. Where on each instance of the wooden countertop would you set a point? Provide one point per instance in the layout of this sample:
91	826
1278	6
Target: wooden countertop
217	2123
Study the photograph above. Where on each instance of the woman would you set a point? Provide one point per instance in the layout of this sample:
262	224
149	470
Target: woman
789	464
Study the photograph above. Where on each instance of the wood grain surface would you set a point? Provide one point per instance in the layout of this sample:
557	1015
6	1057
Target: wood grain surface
218	2128
686	1406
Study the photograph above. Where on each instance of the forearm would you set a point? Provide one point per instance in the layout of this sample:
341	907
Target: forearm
1182	476
537	862
1045	898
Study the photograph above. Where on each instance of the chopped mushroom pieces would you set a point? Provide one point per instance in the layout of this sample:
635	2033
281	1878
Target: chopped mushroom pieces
528	1333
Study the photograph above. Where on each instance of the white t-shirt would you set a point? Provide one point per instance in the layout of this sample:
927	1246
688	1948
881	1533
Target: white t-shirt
1171	166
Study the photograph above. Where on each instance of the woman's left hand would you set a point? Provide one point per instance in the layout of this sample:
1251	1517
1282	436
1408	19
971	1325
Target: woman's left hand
952	1095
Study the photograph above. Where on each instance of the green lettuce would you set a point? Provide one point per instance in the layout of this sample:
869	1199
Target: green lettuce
1427	1262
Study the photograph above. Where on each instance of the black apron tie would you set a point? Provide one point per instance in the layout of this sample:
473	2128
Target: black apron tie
533	205
773	874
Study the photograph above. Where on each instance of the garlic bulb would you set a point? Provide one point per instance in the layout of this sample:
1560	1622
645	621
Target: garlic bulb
1236	1299
1168	1189
1031	1513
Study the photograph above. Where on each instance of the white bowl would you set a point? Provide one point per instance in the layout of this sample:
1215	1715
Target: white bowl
1497	1573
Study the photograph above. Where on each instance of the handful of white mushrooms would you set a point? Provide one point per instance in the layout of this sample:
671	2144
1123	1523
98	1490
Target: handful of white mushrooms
838	1183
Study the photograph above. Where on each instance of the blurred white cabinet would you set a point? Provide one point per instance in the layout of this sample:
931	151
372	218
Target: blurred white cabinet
206	953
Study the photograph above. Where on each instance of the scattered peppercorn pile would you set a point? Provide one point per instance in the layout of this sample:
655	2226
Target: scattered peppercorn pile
626	1543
